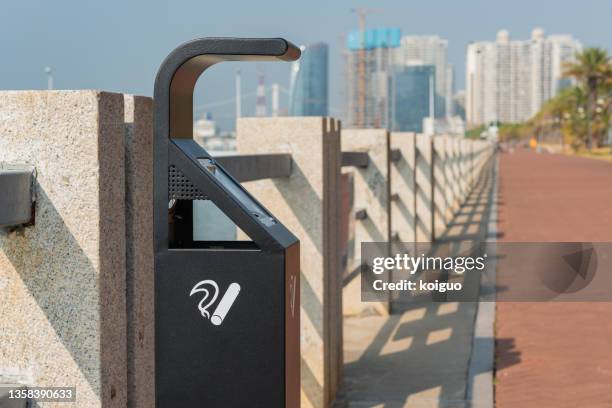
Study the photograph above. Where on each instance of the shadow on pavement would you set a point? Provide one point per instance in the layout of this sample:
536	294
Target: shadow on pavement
420	355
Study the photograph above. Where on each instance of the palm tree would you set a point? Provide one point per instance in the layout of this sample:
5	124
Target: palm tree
593	70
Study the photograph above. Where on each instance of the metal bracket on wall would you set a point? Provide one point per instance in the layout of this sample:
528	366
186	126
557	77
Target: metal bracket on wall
17	194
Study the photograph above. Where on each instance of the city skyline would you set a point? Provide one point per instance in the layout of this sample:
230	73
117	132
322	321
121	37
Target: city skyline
106	53
396	81
387	53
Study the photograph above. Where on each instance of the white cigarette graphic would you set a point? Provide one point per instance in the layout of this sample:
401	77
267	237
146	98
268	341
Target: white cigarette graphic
225	304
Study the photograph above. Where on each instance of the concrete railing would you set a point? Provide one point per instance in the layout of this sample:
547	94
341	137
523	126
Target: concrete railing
77	286
404	187
410	194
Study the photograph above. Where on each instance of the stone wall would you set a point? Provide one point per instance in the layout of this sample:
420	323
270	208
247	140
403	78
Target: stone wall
62	281
77	287
308	204
372	193
139	250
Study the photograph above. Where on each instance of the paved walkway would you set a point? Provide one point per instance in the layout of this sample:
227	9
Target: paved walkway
418	358
554	354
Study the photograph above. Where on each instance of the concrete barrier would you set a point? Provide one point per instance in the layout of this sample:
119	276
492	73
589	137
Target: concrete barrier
139	251
403	188
441	202
444	169
465	175
62	281
424	189
308	203
457	169
372	193
451	184
77	287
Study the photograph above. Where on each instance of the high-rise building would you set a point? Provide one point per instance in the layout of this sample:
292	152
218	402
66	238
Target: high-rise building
549	56
508	81
430	50
368	59
308	94
449	109
386	54
413	88
482	89
459	104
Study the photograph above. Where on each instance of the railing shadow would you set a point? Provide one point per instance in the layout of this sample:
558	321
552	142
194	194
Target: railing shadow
50	280
423	197
420	355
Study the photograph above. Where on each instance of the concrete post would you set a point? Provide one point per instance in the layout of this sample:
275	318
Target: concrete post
482	152
308	203
403	192
471	164
62	281
139	251
477	156
452	198
442	205
453	171
456	170
424	189
465	165
372	193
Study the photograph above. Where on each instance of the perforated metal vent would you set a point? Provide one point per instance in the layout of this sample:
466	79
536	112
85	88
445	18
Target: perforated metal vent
180	188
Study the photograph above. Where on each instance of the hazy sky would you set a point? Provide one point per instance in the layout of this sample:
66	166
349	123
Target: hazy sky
118	45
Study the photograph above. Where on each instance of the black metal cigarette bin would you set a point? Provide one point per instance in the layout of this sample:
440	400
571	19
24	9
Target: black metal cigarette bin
226	312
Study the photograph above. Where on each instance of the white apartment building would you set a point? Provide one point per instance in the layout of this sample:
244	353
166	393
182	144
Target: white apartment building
508	81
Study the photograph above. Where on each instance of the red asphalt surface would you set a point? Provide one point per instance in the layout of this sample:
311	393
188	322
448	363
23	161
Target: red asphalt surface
554	354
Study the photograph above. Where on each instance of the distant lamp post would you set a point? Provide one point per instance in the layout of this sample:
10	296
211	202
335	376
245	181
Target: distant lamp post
49	73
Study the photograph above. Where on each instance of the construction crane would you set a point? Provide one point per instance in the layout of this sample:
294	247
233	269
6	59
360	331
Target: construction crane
361	88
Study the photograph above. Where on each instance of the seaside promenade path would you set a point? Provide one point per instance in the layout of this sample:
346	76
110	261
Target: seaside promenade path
554	354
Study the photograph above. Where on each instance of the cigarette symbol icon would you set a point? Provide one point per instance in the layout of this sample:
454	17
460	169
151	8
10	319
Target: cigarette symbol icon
224	305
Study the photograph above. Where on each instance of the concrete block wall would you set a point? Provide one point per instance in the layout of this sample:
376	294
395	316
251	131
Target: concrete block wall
77	287
308	203
482	151
139	251
457	164
452	198
403	188
62	281
372	193
442	207
78	284
424	189
452	170
458	168
465	177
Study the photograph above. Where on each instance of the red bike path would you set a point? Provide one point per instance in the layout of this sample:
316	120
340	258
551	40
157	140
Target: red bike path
554	354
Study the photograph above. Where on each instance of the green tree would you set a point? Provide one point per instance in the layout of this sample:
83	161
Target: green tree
565	115
593	70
